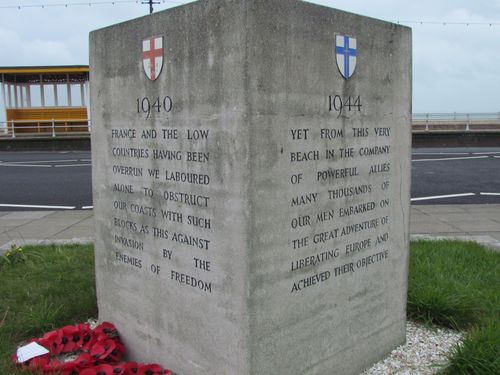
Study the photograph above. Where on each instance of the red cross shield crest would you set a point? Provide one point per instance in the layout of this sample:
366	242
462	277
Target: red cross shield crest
152	56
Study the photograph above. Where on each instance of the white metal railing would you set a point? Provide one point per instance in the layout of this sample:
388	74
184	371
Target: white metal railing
421	122
456	116
456	122
41	128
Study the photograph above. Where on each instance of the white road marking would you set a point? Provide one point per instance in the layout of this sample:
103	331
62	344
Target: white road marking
486	153
71	165
496	157
24	165
442	196
441	159
37	206
41	161
489	193
87	207
440	153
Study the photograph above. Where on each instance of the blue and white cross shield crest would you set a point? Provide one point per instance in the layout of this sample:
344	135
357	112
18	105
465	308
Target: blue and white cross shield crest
345	53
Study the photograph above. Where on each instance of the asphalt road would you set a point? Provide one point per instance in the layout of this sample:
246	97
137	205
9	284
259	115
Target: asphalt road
456	176
63	180
53	180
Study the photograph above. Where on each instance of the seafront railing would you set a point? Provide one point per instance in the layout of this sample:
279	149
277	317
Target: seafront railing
421	123
455	122
45	128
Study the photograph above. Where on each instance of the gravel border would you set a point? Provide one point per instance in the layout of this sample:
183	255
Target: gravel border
425	352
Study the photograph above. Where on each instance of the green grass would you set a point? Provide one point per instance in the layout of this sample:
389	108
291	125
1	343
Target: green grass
53	287
457	284
479	354
451	283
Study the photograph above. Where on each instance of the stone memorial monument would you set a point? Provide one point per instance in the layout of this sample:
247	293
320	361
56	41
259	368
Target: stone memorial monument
251	178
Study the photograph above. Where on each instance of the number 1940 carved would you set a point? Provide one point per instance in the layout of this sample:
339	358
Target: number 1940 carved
149	106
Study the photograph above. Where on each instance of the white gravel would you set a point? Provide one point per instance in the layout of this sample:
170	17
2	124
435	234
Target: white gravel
424	353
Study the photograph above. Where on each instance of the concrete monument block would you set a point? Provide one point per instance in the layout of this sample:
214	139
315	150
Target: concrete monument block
251	173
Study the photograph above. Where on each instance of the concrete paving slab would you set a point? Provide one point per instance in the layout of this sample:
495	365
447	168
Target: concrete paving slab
74	232
13	215
471	221
439	209
82	214
14	223
36	230
494	208
4	239
432	226
468	226
453	216
4	229
422	218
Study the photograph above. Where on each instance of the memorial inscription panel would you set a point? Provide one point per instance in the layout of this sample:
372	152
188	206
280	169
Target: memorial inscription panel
251	186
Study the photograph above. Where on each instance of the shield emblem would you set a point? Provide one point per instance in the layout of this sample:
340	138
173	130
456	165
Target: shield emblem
345	53
152	56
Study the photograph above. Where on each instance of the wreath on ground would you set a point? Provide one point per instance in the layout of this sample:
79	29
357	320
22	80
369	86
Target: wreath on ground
98	352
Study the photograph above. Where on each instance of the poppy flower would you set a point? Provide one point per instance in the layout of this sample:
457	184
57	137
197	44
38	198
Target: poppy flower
85	337
151	369
84	360
38	362
72	371
102	350
119	369
98	370
52	342
70	338
118	352
131	368
105	330
68	368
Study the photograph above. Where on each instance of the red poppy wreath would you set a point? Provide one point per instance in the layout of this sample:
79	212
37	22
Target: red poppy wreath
98	352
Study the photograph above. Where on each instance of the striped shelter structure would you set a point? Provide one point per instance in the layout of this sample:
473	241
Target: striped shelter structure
45	100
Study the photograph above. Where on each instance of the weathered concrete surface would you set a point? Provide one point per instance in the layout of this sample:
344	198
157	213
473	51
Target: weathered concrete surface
290	287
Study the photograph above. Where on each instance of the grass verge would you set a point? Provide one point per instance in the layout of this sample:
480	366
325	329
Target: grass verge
51	286
451	283
457	284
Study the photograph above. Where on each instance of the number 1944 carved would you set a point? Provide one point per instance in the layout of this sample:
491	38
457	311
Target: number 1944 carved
338	104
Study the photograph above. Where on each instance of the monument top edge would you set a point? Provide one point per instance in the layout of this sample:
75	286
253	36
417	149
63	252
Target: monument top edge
254	3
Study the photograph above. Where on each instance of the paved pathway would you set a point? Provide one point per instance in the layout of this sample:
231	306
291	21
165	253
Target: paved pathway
476	222
480	223
23	227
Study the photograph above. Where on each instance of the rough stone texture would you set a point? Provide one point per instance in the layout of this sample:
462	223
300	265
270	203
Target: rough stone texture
253	74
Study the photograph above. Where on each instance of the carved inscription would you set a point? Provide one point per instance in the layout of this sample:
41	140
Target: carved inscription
342	227
162	223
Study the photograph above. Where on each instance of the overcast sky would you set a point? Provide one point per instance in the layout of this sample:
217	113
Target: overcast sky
456	68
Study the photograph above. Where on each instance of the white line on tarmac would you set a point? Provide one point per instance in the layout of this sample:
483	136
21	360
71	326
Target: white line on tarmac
442	196
441	159
37	206
24	165
485	153
41	161
70	165
440	153
496	157
87	207
489	193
